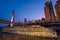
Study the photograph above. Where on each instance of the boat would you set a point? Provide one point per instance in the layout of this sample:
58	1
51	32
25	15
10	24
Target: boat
32	30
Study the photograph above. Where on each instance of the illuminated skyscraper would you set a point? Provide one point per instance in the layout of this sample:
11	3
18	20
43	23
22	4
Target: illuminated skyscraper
57	9
49	12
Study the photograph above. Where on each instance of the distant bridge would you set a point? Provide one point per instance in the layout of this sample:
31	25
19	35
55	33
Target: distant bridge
8	22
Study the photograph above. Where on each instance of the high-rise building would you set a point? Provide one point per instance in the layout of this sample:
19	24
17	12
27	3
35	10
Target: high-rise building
57	9
25	21
49	11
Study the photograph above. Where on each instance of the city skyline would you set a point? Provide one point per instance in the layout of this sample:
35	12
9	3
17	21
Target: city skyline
30	9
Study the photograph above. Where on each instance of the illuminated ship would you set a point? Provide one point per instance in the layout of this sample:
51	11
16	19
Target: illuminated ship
33	30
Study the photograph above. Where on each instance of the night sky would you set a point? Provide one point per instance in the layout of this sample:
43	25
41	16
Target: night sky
30	9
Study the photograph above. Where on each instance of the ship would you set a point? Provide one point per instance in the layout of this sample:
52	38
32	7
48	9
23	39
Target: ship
33	31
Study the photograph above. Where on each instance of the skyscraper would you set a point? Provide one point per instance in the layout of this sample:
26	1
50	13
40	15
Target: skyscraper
57	9
25	21
49	11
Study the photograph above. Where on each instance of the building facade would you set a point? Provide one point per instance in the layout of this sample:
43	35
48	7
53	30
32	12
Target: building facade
49	12
57	9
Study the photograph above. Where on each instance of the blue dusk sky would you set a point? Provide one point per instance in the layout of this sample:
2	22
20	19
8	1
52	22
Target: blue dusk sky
30	9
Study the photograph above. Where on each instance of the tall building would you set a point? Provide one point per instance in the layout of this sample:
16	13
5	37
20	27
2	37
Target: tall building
57	9
49	11
12	19
25	21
